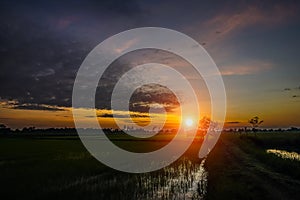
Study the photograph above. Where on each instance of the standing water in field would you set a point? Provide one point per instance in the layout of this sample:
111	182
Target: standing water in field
285	154
183	181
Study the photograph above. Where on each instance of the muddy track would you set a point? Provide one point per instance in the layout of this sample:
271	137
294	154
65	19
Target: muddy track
273	185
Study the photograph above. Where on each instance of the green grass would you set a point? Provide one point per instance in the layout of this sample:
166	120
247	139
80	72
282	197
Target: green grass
33	167
240	168
61	168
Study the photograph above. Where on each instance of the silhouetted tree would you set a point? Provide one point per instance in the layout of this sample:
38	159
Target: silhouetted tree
255	122
2	126
4	129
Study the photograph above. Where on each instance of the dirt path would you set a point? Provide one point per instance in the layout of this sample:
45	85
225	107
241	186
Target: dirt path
235	174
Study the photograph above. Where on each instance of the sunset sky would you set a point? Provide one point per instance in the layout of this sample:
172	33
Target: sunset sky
255	45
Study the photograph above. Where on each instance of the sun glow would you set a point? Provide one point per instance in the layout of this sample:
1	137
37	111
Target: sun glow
189	122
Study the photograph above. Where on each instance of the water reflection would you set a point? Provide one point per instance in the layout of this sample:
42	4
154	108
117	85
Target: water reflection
183	179
285	154
186	180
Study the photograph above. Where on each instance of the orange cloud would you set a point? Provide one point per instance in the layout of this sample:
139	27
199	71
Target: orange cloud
253	68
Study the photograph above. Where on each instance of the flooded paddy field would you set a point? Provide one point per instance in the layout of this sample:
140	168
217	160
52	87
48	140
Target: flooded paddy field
241	166
285	154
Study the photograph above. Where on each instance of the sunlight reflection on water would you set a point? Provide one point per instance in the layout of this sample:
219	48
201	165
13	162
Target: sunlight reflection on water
185	181
285	154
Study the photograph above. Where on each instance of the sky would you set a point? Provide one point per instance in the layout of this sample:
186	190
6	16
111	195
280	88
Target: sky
255	45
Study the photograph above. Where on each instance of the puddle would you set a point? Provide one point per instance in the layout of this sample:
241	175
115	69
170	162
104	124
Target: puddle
285	154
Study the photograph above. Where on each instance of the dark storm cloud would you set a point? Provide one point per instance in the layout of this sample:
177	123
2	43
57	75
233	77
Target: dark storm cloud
37	107
43	44
37	66
153	94
233	122
123	116
146	95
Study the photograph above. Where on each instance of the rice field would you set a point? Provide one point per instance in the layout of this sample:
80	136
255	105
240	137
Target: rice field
239	167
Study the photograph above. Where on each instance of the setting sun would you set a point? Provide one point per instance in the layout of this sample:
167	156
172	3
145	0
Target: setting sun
189	122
